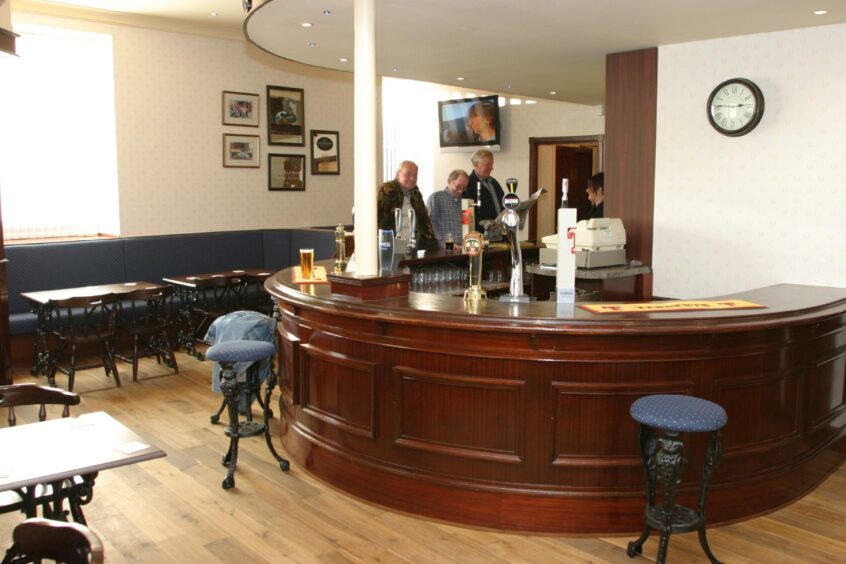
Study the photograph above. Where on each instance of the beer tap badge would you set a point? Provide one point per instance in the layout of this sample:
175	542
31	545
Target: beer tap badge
473	243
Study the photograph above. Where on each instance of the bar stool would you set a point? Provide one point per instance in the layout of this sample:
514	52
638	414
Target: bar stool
662	454
232	384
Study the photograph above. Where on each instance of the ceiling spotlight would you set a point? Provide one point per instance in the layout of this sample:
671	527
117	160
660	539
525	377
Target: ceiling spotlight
395	69
553	92
820	12
305	24
247	4
327	12
343	59
459	78
312	44
508	86
213	14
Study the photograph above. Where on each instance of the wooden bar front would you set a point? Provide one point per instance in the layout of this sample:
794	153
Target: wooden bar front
516	417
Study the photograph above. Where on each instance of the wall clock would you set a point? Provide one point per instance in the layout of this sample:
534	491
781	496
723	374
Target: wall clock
735	107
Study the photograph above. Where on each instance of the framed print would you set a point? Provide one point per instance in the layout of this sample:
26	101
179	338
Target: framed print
324	152
240	108
285	116
240	150
286	172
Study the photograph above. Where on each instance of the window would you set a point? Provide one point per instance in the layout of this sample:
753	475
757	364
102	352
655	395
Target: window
58	153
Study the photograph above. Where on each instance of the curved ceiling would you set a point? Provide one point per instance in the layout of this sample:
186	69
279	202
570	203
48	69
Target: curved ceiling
527	48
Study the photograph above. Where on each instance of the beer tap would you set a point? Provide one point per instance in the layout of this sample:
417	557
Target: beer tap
511	217
398	222
412	232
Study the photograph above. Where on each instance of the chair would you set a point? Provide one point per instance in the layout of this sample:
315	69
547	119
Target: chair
662	455
145	316
84	321
35	539
233	384
50	497
215	297
253	296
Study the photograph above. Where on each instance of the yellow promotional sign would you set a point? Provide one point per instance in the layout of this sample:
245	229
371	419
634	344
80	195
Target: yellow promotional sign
676	305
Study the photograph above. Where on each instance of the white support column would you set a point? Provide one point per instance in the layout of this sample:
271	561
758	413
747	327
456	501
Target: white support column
364	18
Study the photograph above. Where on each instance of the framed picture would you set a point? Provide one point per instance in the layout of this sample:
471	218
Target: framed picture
241	150
285	116
286	172
240	108
324	152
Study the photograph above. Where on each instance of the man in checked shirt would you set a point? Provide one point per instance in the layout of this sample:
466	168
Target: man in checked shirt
445	207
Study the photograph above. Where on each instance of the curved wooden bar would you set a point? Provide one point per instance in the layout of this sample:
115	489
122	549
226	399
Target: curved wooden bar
517	416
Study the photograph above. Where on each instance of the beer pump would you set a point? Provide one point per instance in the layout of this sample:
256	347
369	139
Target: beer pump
513	217
412	232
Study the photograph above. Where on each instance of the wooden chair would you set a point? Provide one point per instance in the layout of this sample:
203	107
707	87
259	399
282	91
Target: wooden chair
35	539
50	497
144	314
84	321
215	298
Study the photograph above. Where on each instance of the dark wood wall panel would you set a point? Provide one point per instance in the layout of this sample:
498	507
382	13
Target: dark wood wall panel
631	89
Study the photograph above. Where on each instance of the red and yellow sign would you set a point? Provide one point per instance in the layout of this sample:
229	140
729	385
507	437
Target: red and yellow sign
676	305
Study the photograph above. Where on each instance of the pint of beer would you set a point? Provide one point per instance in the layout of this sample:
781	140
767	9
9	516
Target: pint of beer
306	262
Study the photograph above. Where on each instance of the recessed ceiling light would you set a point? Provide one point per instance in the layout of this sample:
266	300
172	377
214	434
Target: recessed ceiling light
820	12
508	86
327	12
459	78
395	69
343	59
553	92
213	14
306	24
312	44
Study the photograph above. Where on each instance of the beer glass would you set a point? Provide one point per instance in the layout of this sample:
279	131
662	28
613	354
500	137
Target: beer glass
306	262
449	242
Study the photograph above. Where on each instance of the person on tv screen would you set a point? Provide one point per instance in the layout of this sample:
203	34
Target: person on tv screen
402	192
480	116
482	185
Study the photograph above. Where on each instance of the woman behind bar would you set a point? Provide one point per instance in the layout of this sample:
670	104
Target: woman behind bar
596	194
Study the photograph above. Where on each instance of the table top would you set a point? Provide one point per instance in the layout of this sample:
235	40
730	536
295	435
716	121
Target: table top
45	296
190	280
56	449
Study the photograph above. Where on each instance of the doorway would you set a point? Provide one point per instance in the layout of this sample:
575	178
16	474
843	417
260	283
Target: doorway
550	160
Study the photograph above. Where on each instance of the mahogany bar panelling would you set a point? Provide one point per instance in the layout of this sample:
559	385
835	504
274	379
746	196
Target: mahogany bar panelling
516	417
631	95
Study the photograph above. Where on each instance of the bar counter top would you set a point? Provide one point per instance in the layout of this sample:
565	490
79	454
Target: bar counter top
515	416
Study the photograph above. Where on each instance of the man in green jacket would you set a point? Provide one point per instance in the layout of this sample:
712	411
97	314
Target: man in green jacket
403	193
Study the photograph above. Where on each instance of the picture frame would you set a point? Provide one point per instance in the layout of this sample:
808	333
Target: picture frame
285	116
325	152
241	151
240	108
286	172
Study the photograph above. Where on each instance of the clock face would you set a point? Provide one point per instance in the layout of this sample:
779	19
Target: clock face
735	107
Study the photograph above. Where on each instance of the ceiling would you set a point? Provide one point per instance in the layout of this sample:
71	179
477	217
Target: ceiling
529	48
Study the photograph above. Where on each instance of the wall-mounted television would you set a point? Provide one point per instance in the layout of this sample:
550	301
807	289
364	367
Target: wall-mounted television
470	122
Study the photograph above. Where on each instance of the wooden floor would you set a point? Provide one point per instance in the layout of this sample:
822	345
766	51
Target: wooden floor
174	510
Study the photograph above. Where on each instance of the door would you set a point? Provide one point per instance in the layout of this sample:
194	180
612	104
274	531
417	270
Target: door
575	164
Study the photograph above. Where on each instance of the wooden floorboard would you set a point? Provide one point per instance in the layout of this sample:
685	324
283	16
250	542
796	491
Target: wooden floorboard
174	509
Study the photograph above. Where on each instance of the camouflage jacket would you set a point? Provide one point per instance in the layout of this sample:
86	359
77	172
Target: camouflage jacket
390	197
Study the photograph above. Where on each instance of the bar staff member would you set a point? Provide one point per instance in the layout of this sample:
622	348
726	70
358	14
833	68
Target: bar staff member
596	194
402	192
490	191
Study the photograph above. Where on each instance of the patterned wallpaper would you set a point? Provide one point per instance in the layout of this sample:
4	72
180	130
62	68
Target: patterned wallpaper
168	103
732	214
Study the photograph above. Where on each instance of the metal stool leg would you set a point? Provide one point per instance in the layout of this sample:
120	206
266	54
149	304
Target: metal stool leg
648	445
284	465
669	462
231	391
713	456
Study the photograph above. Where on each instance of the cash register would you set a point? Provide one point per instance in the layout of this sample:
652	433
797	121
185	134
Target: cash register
599	242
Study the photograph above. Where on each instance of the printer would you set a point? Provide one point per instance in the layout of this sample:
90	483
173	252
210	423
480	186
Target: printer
598	242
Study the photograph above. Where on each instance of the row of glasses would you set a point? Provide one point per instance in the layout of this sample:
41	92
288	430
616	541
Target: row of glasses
439	279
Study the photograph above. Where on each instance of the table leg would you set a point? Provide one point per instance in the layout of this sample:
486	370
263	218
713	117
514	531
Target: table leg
41	362
185	329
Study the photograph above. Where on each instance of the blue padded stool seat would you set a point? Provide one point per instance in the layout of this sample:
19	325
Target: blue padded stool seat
240	351
684	414
662	419
233	385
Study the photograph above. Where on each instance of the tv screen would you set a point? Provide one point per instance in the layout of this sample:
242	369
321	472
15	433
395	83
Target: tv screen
470	122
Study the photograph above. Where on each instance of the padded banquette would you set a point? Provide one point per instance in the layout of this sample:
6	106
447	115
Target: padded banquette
50	266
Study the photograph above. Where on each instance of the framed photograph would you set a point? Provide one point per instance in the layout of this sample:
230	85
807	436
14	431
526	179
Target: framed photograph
240	108
241	151
285	116
286	172
324	152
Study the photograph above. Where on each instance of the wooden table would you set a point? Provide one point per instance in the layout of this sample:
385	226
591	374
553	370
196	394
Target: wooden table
61	449
188	290
39	303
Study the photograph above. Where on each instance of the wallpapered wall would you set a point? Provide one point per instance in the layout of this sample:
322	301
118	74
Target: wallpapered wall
733	214
170	138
